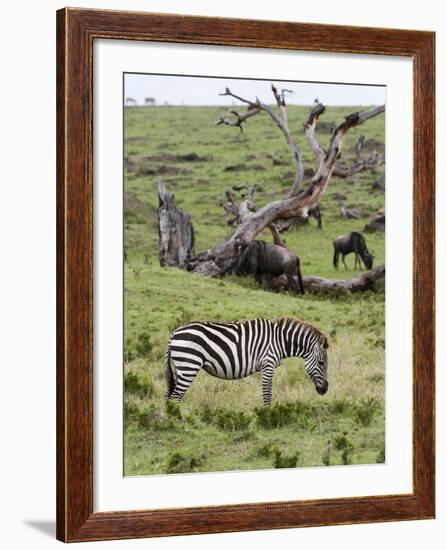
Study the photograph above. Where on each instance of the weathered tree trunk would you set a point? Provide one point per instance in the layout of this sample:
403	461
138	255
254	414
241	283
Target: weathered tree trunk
319	285
219	259
176	232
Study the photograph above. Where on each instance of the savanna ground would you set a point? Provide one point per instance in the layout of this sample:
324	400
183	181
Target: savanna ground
222	425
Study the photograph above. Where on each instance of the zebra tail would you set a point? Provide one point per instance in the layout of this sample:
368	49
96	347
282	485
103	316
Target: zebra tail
168	372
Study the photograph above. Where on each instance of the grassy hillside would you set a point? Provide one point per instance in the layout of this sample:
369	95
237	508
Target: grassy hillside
221	425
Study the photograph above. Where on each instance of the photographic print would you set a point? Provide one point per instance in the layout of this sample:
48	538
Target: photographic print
254	278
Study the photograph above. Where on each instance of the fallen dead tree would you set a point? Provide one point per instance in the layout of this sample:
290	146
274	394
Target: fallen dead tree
218	260
318	285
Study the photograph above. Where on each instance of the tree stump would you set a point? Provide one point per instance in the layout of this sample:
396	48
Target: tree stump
176	232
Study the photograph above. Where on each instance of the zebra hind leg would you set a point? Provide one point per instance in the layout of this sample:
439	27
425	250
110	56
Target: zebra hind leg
267	383
186	372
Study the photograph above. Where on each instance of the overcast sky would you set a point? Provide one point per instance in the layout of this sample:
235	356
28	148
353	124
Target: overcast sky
186	90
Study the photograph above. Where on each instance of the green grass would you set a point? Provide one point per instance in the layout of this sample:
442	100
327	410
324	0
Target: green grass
222	425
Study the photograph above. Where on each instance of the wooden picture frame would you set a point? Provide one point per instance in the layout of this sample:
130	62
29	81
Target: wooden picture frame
76	31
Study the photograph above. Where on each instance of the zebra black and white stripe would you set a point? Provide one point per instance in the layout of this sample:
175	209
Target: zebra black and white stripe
232	350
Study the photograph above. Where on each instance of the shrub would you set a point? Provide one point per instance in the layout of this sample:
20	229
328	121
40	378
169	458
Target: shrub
232	420
131	412
266	449
281	461
365	410
343	444
381	456
152	419
326	456
143	345
282	414
133	385
179	462
224	419
339	406
206	414
173	410
129	353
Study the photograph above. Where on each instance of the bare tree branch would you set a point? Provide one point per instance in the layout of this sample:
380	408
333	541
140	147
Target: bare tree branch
310	131
243	212
363	163
281	121
360	166
237	119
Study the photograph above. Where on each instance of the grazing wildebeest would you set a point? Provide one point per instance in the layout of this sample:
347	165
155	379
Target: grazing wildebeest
150	101
352	242
260	257
130	101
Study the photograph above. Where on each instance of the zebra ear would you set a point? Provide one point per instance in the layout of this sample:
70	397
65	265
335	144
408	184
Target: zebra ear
324	341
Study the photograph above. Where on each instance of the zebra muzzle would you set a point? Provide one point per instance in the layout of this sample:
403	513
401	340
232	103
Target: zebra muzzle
322	388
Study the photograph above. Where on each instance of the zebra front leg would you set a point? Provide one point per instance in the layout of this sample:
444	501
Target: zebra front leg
267	383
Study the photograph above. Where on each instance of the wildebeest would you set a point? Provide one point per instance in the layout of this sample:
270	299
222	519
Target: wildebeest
260	257
352	242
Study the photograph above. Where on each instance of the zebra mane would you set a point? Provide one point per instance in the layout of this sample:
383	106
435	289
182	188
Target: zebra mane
284	320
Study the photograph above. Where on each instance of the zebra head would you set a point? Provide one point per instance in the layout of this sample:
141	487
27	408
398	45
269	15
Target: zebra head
316	365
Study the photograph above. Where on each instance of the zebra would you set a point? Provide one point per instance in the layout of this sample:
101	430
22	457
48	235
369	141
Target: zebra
232	350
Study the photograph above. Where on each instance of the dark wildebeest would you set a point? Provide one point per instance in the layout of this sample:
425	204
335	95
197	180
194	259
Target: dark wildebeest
260	257
352	242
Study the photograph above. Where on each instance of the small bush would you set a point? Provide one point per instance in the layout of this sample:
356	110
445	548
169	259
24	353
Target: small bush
266	449
129	352
206	414
133	384
173	410
179	462
326	456
224	419
232	420
283	414
381	456
281	461
343	444
152	419
131	412
366	409
143	345
376	378
339	406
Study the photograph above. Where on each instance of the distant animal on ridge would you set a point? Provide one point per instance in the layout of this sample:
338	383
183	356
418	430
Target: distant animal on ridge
260	257
233	350
150	101
130	101
352	242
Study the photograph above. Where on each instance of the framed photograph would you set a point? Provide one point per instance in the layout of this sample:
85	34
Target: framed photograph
244	343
